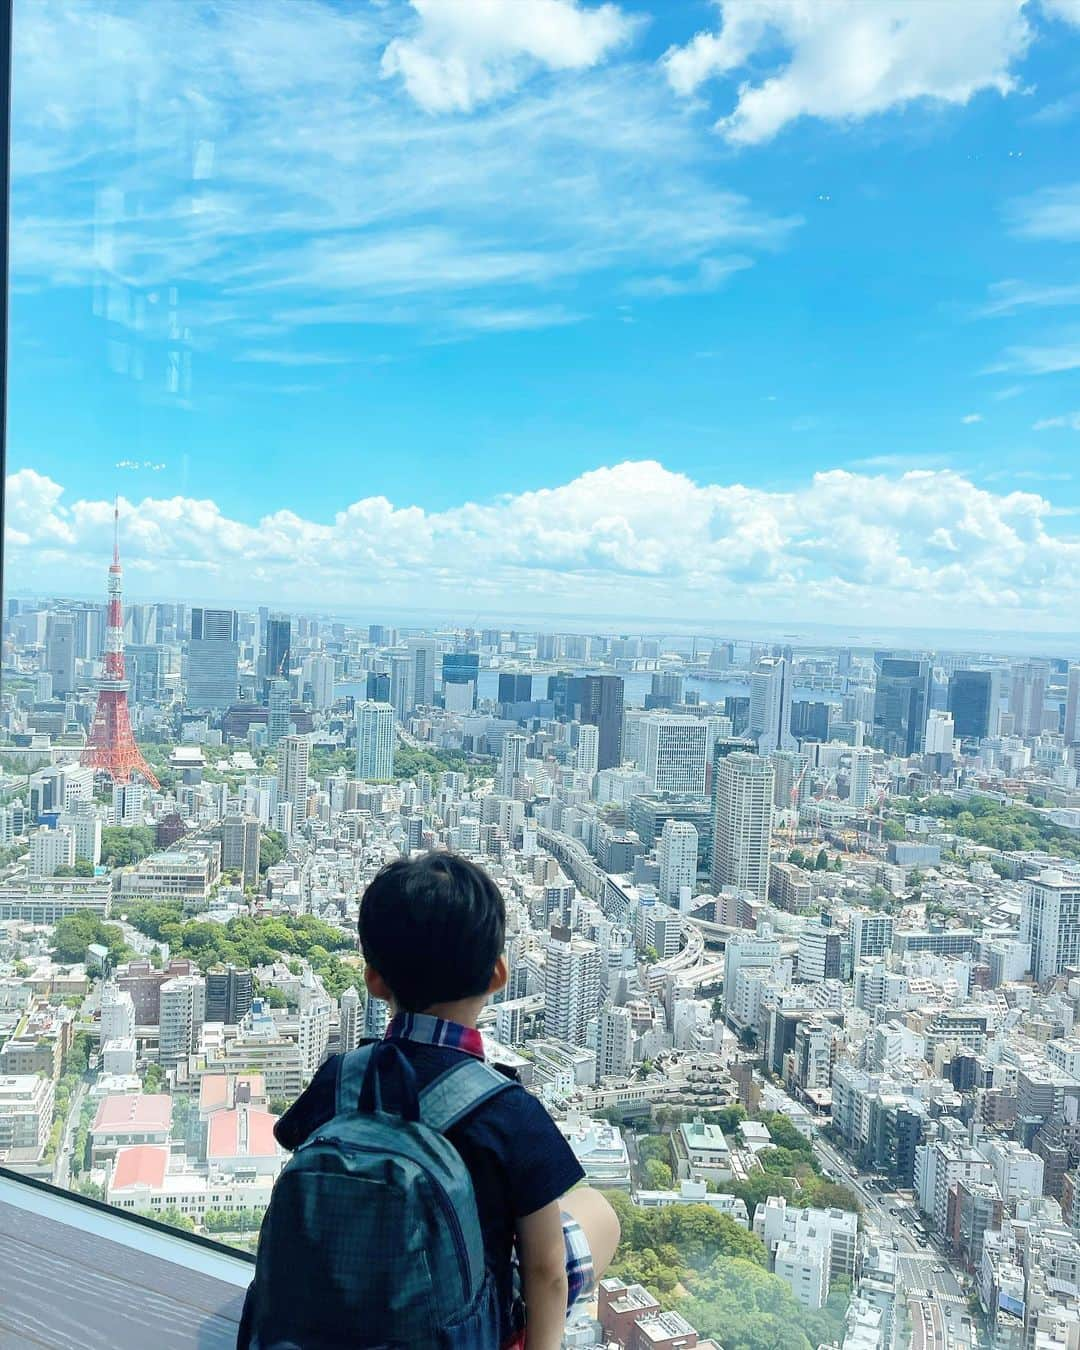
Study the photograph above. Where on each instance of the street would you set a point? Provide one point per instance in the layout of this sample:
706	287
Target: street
62	1165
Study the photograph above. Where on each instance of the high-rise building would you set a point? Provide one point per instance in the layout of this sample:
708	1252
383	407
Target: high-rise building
182	1013
666	690
901	705
819	952
213	666
50	849
940	734
280	718
1027	697
60	653
678	856
743	788
277	657
602	707
350	1020
401	685
810	721
240	850
378	687
571	985
588	749
320	675
614	1043
674	752
564	695
229	991
770	705
214	625
862	780
1071	729
548	646
293	756
511	764
461	679
376	741
871	934
973	703
514	688
148	668
424	653
1050	922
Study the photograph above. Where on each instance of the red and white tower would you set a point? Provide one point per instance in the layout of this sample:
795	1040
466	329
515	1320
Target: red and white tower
111	747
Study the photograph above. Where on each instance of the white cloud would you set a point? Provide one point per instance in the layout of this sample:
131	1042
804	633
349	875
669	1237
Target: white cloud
1046	359
709	275
1052	213
847	60
1007	297
969	418
1068	11
1067	422
632	539
465	54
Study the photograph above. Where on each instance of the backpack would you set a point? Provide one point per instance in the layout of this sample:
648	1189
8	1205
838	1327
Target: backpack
372	1239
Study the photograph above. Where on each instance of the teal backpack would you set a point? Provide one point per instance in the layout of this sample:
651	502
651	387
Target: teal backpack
371	1240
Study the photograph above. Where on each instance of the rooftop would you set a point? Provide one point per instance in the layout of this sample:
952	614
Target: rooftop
139	1110
143	1165
244	1132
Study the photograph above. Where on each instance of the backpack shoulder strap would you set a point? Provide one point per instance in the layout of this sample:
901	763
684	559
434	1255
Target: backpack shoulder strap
352	1066
450	1097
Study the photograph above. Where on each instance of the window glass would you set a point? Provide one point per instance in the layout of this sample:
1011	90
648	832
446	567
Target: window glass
631	445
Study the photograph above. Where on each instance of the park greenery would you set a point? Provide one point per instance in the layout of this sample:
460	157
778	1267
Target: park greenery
122	845
1006	828
705	1266
408	762
73	1072
246	941
75	932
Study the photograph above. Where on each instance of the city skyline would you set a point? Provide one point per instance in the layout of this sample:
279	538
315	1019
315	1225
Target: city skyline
608	311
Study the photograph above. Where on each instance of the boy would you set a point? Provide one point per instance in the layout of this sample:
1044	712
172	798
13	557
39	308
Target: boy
432	930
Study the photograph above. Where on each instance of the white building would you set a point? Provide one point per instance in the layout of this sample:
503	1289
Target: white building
862	782
183	1011
674	752
940	733
376	741
1050	922
678	857
809	1247
50	849
588	749
571	985
117	1014
1018	1172
743	955
599	1148
26	1111
742	823
770	706
701	1152
350	1020
937	1166
511	763
294	753
614	1043
871	934
128	804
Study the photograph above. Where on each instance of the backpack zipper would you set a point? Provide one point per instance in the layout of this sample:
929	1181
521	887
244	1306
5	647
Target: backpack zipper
445	1204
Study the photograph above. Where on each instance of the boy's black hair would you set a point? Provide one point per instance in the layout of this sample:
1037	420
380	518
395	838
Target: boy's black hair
433	926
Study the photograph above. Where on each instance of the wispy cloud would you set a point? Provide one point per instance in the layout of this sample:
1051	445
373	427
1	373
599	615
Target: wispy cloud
288	357
1047	359
1052	213
1008	297
1066	422
709	275
970	418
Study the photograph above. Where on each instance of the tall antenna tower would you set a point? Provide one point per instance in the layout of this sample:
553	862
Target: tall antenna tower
111	747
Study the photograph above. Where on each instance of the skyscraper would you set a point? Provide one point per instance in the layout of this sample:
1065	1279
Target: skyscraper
614	1043
602	707
213	659
320	674
280	700
60	652
351	1020
1071	728
666	690
515	688
424	653
674	752
277	657
401	686
973	702
1027	696
182	1013
1050	921
901	705
293	755
229	991
461	677
378	687
743	788
240	851
678	857
511	764
213	625
862	767
588	749
376	741
770	706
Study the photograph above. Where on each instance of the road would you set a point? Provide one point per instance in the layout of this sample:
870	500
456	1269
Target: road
936	1302
62	1166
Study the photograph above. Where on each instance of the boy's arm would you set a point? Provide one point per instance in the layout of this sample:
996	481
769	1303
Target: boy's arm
314	1107
542	1252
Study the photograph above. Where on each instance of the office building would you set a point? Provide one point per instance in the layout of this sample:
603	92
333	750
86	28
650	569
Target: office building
871	934
376	741
571	985
666	690
940	734
350	1020
60	653
378	686
808	1248
511	764
240	848
277	656
588	750
901	705
614	1043
753	956
973	703
514	689
424	655
1050	922
50	849
674	752
293	755
320	675
1027	697
401	685
819	952
742	823
26	1116
810	721
214	625
862	776
461	678
229	991
147	667
678	857
279	698
602	707
770	706
213	660
564	693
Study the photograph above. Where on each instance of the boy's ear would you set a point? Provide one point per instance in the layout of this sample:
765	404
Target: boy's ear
376	985
499	976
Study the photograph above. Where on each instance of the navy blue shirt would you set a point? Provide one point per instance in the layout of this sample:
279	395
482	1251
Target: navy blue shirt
518	1160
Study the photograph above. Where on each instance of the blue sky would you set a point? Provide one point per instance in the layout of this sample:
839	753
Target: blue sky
693	308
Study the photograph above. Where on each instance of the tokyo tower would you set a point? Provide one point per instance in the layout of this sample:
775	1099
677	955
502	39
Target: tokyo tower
111	747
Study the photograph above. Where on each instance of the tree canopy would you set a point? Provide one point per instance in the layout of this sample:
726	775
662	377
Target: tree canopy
122	845
1007	828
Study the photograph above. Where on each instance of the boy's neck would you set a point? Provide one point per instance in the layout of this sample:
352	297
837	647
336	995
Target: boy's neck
464	1011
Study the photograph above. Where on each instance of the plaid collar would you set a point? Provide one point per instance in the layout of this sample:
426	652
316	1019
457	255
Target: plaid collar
428	1030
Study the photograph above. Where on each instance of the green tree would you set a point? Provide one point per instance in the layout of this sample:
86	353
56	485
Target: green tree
797	857
821	862
892	831
271	850
123	845
658	1175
